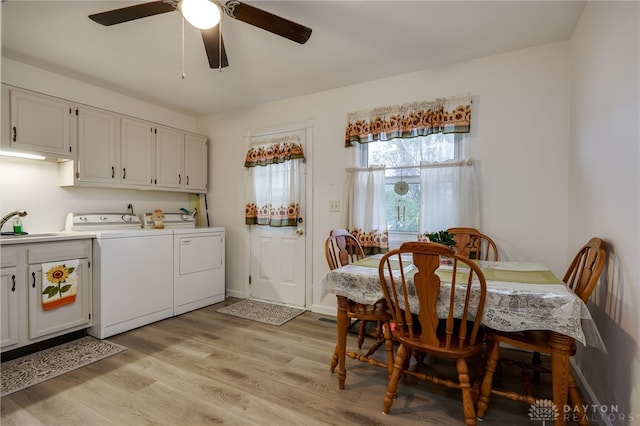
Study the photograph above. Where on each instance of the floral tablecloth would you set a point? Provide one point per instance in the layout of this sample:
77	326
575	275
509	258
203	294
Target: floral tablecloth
520	296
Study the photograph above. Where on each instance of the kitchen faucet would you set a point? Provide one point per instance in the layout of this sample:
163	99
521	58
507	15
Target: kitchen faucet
5	219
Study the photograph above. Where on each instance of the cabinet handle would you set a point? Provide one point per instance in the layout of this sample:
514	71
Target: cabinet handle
179	179
113	172
124	173
13	287
187	179
15	133
33	275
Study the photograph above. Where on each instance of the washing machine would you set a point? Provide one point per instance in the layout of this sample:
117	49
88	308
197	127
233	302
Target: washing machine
198	262
132	271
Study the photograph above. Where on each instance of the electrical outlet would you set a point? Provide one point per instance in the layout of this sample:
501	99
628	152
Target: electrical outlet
334	205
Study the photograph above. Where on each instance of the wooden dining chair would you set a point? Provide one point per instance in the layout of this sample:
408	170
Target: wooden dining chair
342	248
473	244
581	276
419	328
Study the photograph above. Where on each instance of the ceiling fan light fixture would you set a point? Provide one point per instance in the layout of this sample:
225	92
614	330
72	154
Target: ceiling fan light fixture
202	14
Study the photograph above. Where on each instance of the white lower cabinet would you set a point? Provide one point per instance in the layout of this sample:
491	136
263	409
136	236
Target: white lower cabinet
24	317
66	317
8	298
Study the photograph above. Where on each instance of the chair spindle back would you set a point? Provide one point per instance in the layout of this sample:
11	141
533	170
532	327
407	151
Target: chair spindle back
342	248
585	269
473	244
415	268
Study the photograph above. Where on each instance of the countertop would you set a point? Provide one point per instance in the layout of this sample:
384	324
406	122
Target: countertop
42	237
65	235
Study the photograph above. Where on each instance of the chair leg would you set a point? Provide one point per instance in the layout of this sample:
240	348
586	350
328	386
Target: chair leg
334	359
485	388
536	363
361	332
392	386
388	343
576	401
468	404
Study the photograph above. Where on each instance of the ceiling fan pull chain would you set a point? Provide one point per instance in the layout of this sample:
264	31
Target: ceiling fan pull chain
220	45
183	48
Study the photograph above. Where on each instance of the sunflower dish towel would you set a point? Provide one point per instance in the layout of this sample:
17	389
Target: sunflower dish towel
59	283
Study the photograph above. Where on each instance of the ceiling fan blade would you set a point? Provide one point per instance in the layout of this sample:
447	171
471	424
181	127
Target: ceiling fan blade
267	21
125	14
212	43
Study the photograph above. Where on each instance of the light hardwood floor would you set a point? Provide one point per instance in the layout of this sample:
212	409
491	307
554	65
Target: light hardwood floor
205	368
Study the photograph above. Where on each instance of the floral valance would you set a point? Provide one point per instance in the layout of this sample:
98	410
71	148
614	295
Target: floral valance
276	150
409	120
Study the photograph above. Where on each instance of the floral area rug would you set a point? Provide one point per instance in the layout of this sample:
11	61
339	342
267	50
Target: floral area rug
29	370
267	313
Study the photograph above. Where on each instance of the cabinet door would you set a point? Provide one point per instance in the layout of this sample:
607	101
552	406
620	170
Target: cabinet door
40	124
65	317
169	158
97	146
136	152
196	160
9	307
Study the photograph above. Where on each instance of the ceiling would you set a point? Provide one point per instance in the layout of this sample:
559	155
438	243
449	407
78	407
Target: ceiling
352	42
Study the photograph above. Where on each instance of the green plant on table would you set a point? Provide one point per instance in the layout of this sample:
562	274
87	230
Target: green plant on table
442	237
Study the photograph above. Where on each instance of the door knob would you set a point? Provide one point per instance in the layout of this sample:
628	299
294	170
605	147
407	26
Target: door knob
299	231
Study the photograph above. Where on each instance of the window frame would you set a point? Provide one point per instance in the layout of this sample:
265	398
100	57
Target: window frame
460	152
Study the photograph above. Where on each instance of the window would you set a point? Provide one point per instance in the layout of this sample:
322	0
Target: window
402	159
413	173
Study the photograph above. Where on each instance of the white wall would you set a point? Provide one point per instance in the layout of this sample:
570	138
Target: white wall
604	191
520	133
39	80
32	185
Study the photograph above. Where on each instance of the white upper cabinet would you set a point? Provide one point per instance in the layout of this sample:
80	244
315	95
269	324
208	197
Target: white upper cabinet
196	160
103	148
136	153
169	161
96	156
38	123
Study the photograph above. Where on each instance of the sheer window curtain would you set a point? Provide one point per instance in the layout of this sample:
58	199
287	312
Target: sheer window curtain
449	196
274	184
366	209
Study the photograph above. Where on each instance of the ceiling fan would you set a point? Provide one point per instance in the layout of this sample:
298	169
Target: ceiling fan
211	34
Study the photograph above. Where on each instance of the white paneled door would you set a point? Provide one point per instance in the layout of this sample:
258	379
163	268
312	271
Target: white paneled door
278	265
278	255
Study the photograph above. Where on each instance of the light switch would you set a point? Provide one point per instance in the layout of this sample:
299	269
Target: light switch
334	205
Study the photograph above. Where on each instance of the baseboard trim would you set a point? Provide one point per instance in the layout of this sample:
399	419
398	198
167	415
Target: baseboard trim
235	293
324	310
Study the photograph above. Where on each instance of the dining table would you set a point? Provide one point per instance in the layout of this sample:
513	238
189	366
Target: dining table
520	296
